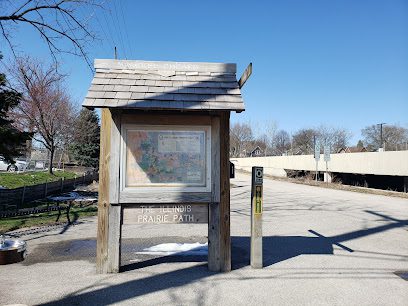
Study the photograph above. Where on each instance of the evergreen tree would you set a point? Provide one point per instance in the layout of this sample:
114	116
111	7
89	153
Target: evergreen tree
360	144
85	146
11	139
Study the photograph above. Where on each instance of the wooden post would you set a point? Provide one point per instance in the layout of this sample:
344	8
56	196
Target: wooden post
214	237
214	206
103	198
225	239
114	238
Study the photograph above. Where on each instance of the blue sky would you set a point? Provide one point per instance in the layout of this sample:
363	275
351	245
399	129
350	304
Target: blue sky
341	63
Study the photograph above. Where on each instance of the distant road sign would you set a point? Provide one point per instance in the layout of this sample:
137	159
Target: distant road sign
317	150
327	153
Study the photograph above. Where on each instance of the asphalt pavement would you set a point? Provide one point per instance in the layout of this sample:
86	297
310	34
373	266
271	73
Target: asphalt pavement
321	247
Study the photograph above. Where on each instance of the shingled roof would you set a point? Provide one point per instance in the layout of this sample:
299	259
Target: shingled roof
164	85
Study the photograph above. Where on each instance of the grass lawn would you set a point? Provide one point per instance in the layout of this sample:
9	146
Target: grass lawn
15	180
48	218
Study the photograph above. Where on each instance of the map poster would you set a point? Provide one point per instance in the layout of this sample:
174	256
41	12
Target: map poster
165	157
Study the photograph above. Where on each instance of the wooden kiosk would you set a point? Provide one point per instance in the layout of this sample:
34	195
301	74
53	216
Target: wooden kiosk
164	150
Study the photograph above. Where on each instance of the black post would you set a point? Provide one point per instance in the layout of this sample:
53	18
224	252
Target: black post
381	134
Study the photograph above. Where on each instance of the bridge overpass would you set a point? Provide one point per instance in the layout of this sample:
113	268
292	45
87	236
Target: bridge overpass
390	163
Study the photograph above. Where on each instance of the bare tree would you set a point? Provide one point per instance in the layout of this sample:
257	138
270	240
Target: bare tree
303	141
54	20
240	138
337	138
395	137
265	132
45	108
281	142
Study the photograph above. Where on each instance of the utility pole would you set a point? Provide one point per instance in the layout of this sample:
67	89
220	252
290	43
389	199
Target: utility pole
381	134
316	155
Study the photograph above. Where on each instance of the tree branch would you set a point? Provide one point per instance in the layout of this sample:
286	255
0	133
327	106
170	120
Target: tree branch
67	25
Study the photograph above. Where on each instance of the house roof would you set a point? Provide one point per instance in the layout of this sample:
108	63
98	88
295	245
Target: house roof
257	147
352	150
164	85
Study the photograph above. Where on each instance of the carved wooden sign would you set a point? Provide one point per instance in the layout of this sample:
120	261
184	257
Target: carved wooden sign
169	214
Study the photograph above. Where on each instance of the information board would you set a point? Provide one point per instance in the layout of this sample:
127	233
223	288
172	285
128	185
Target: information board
159	157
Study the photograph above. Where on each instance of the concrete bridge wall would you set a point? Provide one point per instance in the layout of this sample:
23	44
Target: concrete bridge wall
378	163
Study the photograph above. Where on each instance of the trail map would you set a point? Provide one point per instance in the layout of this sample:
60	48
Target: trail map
172	157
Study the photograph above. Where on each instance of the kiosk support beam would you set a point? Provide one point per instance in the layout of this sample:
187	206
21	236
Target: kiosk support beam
103	197
225	241
214	233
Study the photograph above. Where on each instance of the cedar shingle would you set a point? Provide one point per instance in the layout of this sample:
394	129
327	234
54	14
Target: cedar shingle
164	85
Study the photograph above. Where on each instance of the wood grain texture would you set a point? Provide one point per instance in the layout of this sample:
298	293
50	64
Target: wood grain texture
165	214
215	158
162	105
214	213
162	196
245	76
225	241
164	65
165	119
114	166
114	238
214	236
103	197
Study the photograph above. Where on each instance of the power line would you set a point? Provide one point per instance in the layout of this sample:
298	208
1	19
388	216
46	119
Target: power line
109	28
118	28
108	37
107	34
126	29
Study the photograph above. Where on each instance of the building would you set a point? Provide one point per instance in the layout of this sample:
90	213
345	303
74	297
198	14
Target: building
352	150
256	152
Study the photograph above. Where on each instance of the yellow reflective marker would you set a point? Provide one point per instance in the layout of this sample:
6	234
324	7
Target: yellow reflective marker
258	200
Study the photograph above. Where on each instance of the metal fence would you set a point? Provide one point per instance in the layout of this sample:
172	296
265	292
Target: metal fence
13	199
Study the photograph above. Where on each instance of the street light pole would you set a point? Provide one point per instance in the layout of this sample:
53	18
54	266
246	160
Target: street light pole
381	134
